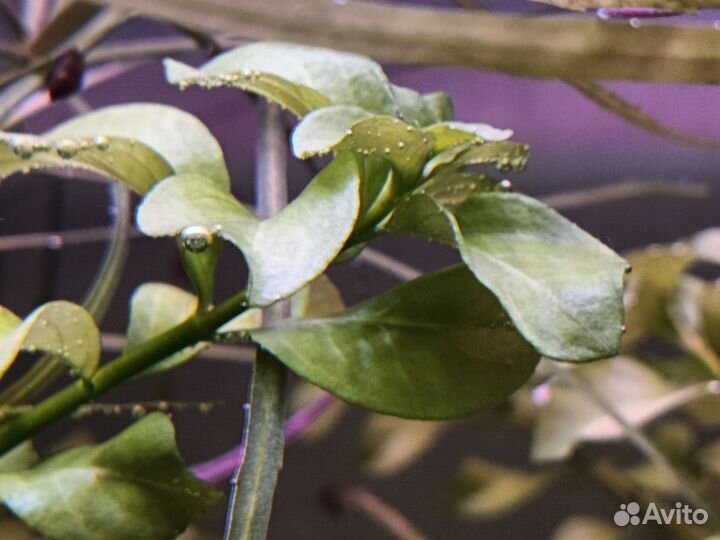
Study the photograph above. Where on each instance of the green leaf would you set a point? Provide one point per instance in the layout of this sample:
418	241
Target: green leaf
586	528
179	137
134	164
285	252
321	130
486	490
391	444
19	458
154	309
437	347
561	287
568	415
133	486
341	78
8	322
58	328
505	155
483	131
298	99
422	110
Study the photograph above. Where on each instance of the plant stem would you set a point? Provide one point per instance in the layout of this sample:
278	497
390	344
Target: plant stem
254	483
200	327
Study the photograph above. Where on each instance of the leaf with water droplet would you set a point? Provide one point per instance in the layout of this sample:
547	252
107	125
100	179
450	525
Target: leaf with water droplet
133	486
321	130
427	349
505	155
285	252
59	328
137	166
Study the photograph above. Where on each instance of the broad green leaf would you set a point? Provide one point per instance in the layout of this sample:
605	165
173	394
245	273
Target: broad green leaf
154	309
285	252
568	415
19	458
451	134
342	78
505	155
561	287
134	486
298	99
422	110
586	528
391	444
437	347
134	164
487	490
485	132
179	137
321	130
58	328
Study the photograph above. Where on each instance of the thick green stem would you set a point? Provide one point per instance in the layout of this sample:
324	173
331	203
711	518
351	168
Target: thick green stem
200	327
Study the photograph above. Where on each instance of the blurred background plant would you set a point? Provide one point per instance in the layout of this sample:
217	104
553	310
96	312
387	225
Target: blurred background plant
570	446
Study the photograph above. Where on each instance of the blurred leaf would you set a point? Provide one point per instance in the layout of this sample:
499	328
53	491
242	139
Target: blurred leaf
434	348
285	252
656	273
8	322
561	287
706	245
486	490
422	110
154	309
481	130
709	457
58	328
133	486
568	416
321	298
524	46
391	444
66	20
671	5
651	479
119	159
298	99
303	395
19	458
180	138
586	528
338	77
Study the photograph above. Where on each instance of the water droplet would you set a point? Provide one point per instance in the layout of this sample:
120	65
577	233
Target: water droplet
217	228
387	150
138	411
628	269
401	145
67	148
21	147
506	185
163	406
409	129
196	238
623	329
635	22
101	143
348	132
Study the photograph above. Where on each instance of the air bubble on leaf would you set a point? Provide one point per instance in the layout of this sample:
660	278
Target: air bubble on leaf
506	185
101	142
67	148
387	150
401	145
196	238
138	411
21	147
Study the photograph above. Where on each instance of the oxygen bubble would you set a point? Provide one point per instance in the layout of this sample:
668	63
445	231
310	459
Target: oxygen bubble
401	145
387	150
101	142
67	149
506	185
196	238
21	148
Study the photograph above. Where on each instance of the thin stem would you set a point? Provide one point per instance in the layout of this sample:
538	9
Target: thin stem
254	483
639	439
390	519
199	327
234	354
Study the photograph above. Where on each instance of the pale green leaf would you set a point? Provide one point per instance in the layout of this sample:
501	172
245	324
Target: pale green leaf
321	130
120	159
391	444
154	309
179	137
8	321
505	155
19	458
561	287
568	415
59	328
134	486
437	347
285	252
481	130
342	78
486	490
422	110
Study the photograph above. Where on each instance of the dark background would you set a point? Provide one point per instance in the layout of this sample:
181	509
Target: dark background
574	145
